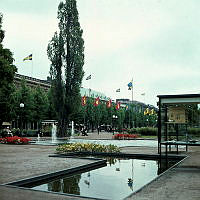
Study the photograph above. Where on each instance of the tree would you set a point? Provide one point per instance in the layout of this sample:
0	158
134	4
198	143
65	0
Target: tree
7	72
40	106
66	53
25	96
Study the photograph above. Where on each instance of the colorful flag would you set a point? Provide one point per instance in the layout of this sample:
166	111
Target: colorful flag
109	103
152	112
130	85
97	101
84	101
28	57
127	106
118	90
89	77
118	105
147	111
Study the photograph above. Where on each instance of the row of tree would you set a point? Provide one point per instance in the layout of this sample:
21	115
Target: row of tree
38	106
63	101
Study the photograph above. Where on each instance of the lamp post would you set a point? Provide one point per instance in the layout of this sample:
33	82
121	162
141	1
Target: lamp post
21	105
114	120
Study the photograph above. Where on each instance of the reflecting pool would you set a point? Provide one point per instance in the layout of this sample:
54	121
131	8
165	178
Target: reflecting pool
117	180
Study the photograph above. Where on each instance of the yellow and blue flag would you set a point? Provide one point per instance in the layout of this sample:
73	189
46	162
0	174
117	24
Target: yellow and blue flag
28	57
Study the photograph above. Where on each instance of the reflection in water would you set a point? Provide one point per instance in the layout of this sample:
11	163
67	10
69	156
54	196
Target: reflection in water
67	185
117	180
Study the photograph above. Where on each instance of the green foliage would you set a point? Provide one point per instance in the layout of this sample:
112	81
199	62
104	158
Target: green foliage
194	131
66	51
51	112
7	72
40	106
132	130
147	131
25	96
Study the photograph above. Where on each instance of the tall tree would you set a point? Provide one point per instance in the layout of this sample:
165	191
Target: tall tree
66	53
7	72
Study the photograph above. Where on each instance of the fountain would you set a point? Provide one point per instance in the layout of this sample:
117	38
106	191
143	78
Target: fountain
53	133
72	131
38	137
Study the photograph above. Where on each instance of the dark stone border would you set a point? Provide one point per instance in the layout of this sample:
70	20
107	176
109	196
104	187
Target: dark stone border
50	176
119	155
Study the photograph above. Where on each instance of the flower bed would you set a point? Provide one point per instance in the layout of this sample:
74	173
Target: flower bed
80	147
125	136
14	140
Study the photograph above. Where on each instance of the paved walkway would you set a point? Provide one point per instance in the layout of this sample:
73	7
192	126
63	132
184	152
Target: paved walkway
24	161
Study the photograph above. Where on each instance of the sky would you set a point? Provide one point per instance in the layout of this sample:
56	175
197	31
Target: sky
154	42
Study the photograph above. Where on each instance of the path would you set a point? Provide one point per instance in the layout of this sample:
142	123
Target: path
23	161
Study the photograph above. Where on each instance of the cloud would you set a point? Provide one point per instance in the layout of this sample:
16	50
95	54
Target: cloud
154	41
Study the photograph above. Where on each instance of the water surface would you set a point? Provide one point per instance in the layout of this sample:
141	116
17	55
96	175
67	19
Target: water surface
117	180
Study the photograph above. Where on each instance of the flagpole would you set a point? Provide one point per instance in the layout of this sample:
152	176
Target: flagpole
132	96
32	67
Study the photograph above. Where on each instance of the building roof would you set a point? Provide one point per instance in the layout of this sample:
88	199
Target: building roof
93	93
179	98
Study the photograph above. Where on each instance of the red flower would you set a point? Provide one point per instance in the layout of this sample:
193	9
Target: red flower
14	140
125	136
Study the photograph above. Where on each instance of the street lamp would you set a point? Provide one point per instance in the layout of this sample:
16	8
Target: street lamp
21	105
114	119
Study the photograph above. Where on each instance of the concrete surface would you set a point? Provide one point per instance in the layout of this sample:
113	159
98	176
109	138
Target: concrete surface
24	161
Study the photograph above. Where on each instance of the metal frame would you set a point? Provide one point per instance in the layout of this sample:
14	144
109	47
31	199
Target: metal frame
165	100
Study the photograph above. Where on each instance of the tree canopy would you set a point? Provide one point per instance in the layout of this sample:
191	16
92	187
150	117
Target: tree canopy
66	53
7	72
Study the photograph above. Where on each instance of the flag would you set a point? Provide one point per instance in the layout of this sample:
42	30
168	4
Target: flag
127	106
83	102
143	94
118	90
97	101
147	111
118	105
89	77
28	57
152	112
109	103
130	85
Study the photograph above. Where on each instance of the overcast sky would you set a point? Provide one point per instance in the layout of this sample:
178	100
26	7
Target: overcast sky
155	42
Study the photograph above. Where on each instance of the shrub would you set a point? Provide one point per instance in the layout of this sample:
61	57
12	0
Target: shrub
194	131
147	131
132	130
80	147
14	140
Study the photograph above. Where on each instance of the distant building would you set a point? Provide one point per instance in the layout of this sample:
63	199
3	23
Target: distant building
94	94
139	106
46	85
32	82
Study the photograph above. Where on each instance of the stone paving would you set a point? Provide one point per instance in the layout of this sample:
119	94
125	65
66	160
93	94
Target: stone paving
24	161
